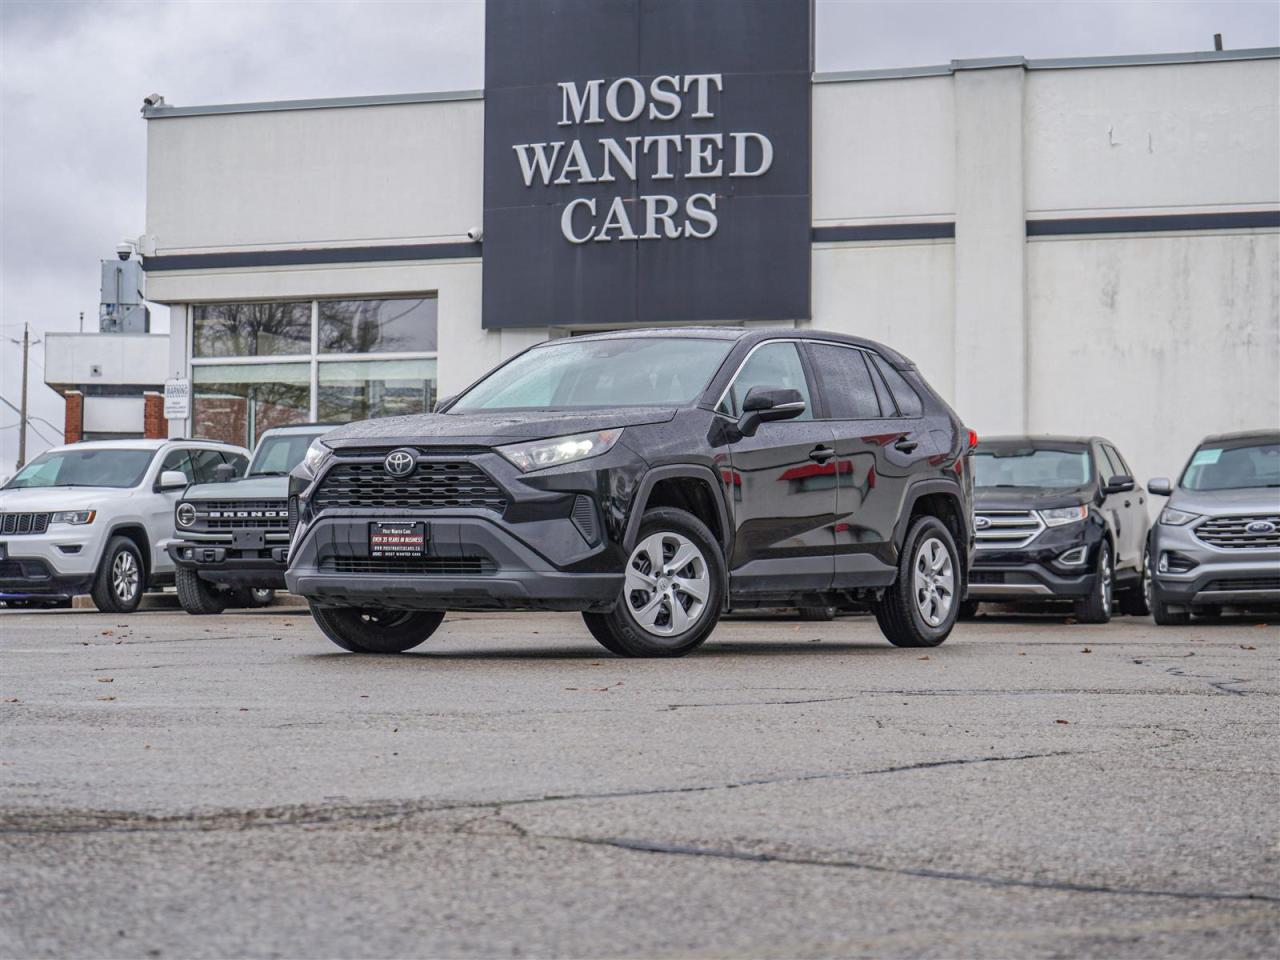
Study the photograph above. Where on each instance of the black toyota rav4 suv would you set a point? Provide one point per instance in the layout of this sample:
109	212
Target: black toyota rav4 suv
650	479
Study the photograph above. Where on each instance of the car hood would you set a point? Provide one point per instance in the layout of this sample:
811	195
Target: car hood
489	428
50	499
243	488
1029	498
1221	502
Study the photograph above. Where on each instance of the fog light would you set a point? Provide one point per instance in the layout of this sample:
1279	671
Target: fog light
1173	562
1074	557
1163	565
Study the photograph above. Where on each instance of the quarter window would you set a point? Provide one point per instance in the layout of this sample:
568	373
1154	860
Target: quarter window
904	394
845	382
771	365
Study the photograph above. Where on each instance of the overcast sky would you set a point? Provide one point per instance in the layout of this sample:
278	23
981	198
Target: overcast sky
74	73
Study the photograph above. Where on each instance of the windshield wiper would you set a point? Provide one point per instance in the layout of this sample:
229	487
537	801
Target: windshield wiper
269	473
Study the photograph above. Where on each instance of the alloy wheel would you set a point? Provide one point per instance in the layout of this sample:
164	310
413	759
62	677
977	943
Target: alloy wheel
1105	585
125	576
933	582
667	584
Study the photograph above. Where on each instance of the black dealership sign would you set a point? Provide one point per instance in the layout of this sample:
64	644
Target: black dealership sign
646	161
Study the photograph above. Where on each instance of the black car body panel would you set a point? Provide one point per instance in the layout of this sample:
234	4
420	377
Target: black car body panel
803	508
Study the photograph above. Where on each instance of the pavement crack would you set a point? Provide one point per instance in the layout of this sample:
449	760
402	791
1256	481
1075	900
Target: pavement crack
679	850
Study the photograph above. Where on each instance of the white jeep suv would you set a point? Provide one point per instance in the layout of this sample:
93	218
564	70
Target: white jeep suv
91	518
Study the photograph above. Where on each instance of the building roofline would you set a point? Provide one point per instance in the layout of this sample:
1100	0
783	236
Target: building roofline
163	111
1053	63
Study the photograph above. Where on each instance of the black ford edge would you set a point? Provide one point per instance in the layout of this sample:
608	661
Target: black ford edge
651	480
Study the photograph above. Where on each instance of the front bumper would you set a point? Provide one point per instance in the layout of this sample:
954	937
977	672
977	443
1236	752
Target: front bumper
1035	572
1221	576
54	565
221	563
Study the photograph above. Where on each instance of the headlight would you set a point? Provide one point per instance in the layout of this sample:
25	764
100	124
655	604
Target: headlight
558	450
186	514
1063	515
315	455
1177	518
74	516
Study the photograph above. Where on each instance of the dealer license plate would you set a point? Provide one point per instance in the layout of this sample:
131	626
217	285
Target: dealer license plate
397	539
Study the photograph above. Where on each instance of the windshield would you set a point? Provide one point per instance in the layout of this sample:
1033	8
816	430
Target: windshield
277	455
1234	467
626	372
84	468
1062	468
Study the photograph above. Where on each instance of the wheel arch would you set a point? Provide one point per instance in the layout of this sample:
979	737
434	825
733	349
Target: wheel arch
691	487
136	531
939	498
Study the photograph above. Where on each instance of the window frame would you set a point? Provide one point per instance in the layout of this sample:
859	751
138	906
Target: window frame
315	358
872	375
815	397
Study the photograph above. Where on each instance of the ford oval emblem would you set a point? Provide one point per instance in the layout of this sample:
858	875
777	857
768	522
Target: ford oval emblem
400	463
981	523
1261	526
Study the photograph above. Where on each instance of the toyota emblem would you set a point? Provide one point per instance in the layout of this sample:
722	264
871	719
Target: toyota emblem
400	463
1261	526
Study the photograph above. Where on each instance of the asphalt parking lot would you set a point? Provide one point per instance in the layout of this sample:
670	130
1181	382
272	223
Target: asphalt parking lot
173	786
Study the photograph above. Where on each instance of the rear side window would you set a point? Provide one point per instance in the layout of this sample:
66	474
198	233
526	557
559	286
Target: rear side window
845	382
909	404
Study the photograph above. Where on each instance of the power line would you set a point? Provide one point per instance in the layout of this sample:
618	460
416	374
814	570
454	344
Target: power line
30	418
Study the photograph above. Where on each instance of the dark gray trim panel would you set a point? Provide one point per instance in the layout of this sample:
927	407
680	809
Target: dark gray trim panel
691	471
1155	223
886	231
290	258
922	488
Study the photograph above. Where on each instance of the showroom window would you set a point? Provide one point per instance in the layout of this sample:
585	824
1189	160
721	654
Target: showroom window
260	365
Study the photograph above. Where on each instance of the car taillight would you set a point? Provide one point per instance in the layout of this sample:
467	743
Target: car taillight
973	439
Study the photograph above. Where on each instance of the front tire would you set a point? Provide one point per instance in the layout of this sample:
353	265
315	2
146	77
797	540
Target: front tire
198	597
921	607
117	588
1097	606
1136	601
370	630
672	592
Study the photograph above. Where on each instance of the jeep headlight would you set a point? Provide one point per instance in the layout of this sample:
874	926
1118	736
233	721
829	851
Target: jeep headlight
185	514
316	454
560	450
1176	518
1060	516
75	517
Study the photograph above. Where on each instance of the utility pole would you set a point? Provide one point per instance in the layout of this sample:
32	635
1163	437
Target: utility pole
22	414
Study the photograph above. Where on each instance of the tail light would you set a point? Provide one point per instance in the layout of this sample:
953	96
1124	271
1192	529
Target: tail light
973	439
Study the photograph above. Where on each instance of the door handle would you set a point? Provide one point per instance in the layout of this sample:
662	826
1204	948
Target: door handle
821	454
905	444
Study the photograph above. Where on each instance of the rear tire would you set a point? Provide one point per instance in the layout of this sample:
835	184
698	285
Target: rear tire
252	597
645	621
198	597
921	607
816	614
368	630
969	609
117	588
1135	602
1096	608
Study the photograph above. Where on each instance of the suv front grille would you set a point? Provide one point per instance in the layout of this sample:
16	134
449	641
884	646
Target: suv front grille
422	566
1007	528
240	515
17	524
1233	532
1244	583
434	485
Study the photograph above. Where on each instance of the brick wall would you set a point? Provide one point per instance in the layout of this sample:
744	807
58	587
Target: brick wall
73	424
154	425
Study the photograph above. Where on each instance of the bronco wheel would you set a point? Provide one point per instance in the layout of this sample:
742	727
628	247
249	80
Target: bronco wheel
117	588
672	591
921	607
1096	607
198	597
371	630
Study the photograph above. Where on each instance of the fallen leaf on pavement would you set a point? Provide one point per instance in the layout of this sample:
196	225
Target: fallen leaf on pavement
1086	650
1065	723
11	700
1246	646
922	658
108	633
106	679
106	698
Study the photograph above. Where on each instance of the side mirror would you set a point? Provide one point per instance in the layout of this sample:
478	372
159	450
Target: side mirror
1120	483
1160	486
224	472
172	480
767	404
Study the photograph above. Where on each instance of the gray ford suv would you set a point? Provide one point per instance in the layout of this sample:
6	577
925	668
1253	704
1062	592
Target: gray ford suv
1217	542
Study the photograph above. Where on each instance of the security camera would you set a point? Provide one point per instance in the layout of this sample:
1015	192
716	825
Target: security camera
124	249
475	234
153	100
